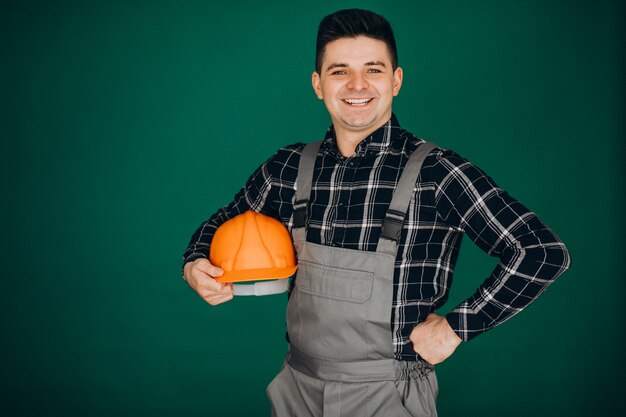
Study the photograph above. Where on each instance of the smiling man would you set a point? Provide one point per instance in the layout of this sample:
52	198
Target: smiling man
357	81
377	215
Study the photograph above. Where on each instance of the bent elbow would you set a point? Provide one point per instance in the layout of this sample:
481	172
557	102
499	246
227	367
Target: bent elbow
567	259
558	259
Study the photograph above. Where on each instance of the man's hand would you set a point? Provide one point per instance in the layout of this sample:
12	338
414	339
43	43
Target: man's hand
434	340
200	275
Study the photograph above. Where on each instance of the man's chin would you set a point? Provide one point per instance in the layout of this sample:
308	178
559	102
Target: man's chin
359	123
369	124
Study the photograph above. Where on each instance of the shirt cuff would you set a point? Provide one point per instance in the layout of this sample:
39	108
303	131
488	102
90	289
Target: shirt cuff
466	325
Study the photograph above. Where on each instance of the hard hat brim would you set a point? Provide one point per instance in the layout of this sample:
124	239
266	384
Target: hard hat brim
257	274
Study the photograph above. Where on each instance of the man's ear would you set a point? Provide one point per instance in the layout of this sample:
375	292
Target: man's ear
397	81
315	81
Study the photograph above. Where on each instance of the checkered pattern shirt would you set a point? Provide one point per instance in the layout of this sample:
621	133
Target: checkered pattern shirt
349	199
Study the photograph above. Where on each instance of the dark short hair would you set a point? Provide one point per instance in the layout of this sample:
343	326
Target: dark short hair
351	23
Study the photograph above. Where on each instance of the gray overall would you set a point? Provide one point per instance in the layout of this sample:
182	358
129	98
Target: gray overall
341	360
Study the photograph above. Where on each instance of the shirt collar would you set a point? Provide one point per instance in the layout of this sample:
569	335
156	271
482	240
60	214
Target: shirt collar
380	140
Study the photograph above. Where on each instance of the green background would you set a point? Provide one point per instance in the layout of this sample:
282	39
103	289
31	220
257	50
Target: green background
125	124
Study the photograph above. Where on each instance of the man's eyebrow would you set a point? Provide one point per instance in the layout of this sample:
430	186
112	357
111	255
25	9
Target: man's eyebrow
342	65
336	65
373	63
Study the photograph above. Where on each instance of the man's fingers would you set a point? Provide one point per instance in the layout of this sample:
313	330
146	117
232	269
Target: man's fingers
431	361
218	299
210	291
434	340
204	265
200	277
203	274
213	285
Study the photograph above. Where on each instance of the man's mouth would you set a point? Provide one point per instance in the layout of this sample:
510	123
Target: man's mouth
357	102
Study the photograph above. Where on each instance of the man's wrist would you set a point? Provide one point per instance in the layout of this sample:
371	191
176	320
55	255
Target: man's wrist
452	321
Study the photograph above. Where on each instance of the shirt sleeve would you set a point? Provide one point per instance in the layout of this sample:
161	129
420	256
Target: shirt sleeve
531	255
253	196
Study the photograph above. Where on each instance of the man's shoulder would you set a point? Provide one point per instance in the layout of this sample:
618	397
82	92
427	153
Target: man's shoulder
408	143
294	147
445	166
442	154
285	160
287	152
441	159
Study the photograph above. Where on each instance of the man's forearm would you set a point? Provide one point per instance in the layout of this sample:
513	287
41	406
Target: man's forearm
516	282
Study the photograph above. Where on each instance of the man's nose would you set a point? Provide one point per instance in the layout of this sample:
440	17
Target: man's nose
358	82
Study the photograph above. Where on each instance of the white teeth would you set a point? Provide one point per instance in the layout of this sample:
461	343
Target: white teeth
357	101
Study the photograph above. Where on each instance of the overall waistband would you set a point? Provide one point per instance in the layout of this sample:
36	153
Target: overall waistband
357	371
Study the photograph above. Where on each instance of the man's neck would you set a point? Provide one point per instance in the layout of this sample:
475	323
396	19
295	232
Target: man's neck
347	140
346	144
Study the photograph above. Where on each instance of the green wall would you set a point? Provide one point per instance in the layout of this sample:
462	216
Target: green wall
125	124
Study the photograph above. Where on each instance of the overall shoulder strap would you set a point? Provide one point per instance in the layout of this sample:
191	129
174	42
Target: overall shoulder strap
394	219
304	181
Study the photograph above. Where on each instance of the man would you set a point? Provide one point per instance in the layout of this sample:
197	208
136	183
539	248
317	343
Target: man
377	217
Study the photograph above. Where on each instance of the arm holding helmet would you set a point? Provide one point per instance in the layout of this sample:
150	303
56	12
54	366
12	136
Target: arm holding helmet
198	271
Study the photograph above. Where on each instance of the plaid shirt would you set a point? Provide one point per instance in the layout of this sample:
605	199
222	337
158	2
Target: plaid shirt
350	197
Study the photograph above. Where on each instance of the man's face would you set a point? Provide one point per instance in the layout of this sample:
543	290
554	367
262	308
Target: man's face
357	84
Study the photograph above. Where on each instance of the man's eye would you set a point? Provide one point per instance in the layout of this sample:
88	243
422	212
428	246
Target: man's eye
340	72
374	71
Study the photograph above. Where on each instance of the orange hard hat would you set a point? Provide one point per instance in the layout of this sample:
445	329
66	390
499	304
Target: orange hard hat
253	247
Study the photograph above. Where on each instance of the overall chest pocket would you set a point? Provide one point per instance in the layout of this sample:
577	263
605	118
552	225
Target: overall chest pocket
334	283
